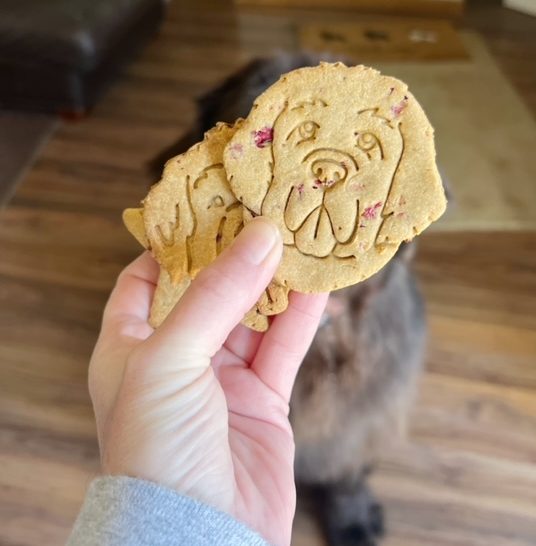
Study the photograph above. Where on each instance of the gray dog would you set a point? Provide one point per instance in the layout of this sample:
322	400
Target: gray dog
356	384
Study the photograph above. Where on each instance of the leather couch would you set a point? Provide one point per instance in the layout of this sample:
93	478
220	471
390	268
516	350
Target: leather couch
60	55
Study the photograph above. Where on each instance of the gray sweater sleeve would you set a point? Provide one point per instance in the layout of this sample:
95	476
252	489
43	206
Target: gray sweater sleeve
122	511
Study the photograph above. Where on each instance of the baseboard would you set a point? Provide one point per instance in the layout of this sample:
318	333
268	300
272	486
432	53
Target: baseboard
437	8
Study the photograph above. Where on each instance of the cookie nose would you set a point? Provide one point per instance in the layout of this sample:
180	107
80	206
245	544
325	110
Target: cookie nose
328	171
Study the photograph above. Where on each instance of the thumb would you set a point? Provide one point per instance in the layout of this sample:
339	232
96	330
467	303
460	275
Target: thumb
221	294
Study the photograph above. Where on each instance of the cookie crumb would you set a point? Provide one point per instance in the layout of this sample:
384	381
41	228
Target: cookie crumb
323	183
237	150
263	136
370	213
357	186
397	109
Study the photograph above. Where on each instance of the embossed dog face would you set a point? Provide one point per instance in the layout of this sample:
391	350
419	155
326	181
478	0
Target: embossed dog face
188	218
218	216
185	212
343	160
336	180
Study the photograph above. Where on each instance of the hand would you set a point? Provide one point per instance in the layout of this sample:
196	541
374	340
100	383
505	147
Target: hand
201	404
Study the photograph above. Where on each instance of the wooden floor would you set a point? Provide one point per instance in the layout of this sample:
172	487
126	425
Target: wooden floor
466	477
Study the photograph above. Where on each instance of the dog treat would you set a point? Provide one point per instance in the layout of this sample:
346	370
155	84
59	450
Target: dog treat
188	218
191	214
343	160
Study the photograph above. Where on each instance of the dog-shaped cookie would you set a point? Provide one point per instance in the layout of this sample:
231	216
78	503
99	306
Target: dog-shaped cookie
188	218
343	160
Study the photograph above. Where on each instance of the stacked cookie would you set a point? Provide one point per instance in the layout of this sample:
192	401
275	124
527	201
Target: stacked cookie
341	158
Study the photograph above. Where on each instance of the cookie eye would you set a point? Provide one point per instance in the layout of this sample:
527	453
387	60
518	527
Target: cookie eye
305	131
367	142
216	201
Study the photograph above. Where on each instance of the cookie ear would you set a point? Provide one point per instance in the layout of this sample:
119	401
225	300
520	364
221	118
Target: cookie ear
416	197
133	220
249	158
166	295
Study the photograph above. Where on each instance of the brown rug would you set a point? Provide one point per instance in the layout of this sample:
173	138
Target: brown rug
22	135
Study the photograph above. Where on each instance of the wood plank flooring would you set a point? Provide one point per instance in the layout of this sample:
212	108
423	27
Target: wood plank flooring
467	474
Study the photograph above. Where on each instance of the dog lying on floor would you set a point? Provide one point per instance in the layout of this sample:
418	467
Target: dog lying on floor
356	384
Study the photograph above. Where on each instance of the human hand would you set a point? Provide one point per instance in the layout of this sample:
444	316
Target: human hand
201	404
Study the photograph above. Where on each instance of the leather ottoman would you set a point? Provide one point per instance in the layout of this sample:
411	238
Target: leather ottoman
59	55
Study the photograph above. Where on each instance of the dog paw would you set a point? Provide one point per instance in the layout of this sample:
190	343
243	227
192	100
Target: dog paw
365	532
350	514
354	535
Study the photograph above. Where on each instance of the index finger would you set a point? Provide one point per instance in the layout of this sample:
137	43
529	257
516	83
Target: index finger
131	297
287	341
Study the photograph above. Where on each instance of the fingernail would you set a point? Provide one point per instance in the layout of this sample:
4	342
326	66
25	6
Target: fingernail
256	240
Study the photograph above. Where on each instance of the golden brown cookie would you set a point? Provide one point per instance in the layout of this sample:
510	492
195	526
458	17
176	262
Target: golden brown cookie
343	160
133	220
191	214
166	295
187	219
